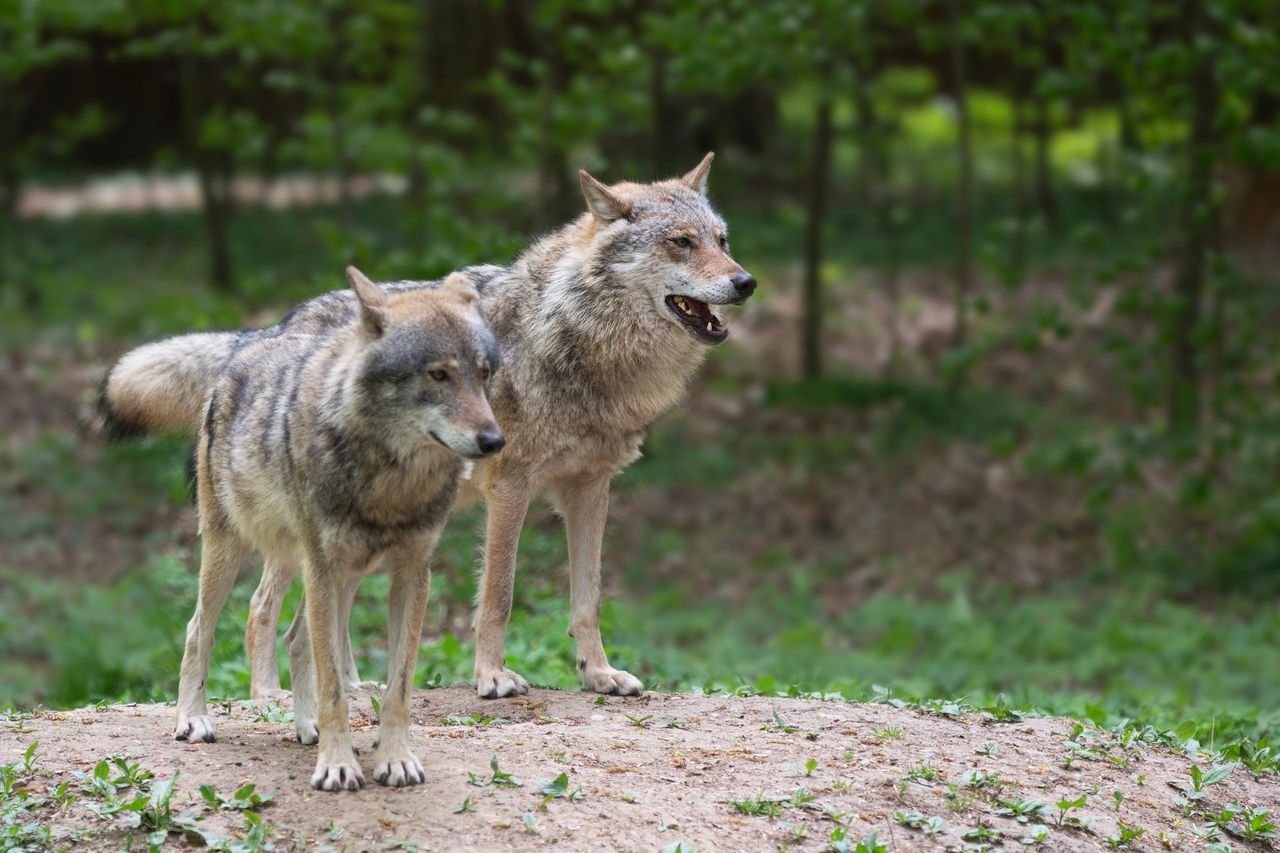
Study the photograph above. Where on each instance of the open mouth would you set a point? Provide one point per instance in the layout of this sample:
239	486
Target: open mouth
697	317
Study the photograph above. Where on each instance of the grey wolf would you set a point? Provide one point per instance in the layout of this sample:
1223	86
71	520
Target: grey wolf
333	453
602	324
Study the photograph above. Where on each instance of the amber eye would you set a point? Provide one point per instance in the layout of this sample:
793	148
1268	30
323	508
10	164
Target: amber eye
682	242
438	375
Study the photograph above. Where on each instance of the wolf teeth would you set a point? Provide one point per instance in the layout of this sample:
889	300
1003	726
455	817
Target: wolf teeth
708	325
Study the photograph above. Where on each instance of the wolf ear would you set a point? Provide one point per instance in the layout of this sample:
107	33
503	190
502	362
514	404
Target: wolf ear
373	303
459	284
601	201
696	178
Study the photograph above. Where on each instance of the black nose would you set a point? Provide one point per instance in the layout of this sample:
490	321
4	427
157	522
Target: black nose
490	441
745	283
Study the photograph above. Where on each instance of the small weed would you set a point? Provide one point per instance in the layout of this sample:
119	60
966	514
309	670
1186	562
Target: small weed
761	805
980	779
916	820
778	725
839	842
530	823
1037	834
1257	825
1126	834
810	766
269	713
1117	797
1020	810
982	834
1066	820
989	748
639	722
244	799
922	775
558	788
1201	781
499	778
890	733
479	718
464	806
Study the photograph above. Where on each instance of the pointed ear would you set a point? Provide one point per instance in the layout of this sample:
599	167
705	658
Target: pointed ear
696	178
373	303
459	284
604	205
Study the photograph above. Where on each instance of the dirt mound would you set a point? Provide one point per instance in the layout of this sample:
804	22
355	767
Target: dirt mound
706	772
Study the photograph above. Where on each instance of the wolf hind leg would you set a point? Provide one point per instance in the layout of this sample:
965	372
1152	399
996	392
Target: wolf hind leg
221	555
302	676
350	675
507	506
585	506
262	627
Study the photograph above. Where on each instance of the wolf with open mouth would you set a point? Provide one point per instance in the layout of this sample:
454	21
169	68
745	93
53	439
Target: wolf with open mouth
601	324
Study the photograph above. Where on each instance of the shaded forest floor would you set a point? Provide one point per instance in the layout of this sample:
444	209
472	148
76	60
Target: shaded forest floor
699	771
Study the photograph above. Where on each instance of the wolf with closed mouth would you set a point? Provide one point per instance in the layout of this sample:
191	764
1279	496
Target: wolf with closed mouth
335	453
602	324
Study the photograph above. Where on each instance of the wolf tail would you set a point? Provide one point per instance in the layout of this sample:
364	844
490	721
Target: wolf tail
162	387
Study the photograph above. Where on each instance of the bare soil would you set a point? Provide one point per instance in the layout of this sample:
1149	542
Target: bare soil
653	771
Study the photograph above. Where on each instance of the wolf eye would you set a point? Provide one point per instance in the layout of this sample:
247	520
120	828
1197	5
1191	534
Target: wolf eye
438	375
682	242
724	243
484	374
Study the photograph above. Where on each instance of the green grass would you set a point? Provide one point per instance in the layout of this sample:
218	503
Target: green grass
1102	655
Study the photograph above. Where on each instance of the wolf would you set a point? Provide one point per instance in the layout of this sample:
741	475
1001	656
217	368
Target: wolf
602	324
335	452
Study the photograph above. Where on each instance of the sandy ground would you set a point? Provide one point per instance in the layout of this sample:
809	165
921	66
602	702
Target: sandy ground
653	771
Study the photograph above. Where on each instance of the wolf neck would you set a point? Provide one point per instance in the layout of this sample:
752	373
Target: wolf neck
595	334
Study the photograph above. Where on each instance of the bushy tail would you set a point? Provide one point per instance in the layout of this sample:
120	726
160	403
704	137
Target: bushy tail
162	387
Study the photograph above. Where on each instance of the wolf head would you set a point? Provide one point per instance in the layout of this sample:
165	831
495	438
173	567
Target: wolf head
665	242
425	359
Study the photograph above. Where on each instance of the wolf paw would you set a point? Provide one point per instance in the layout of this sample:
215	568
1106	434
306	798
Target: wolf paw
307	731
195	728
357	686
269	694
399	771
344	775
612	681
497	683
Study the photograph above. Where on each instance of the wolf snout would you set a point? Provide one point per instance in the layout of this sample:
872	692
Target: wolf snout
490	441
744	284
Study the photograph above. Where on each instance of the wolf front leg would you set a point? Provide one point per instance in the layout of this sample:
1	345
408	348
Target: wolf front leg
221	554
393	761
507	504
585	505
336	766
262	627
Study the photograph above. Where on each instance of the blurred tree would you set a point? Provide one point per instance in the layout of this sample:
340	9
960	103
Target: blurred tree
33	39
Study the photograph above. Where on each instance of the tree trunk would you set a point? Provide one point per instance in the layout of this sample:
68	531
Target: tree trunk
659	133
964	195
819	175
213	169
338	133
874	180
1018	237
1043	128
1199	230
